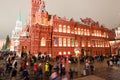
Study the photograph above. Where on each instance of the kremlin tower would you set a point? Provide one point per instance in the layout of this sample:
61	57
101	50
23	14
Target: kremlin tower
16	34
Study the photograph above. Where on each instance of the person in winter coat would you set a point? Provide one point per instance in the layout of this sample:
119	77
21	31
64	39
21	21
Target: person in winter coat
47	69
39	73
92	68
25	74
63	72
14	74
71	74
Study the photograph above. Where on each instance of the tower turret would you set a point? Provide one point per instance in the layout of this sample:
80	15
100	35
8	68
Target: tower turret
35	4
19	20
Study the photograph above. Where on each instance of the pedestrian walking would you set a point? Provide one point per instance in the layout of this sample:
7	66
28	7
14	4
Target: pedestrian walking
71	74
14	74
47	69
108	63
54	76
39	73
92	68
63	72
25	74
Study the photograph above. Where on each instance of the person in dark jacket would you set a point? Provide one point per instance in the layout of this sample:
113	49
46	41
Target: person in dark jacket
39	73
25	74
92	68
14	74
71	74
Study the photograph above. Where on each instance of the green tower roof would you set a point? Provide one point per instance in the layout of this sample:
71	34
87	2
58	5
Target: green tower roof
19	17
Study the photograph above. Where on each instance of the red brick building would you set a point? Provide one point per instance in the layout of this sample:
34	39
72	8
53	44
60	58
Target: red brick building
54	35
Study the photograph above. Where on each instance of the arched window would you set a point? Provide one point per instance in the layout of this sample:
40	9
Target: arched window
73	42
55	41
68	42
88	43
76	43
60	41
68	29
68	52
60	28
64	53
82	31
88	32
43	42
60	53
75	30
83	43
64	29
64	41
78	31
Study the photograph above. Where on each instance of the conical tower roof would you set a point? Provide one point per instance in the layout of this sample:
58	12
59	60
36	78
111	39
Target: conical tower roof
19	17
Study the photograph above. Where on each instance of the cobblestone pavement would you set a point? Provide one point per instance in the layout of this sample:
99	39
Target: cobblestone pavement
102	72
90	77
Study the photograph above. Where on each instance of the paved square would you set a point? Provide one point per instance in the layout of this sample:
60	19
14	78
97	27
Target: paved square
91	77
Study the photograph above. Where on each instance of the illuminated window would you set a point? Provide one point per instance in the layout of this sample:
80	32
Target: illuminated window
83	43
84	31
104	34
64	29
68	52
100	33
88	33
97	33
43	42
60	41
88	43
68	29
98	43
103	44
60	28
68	42
64	53
93	43
75	30
76	43
73	42
78	31
55	41
81	31
64	41
60	53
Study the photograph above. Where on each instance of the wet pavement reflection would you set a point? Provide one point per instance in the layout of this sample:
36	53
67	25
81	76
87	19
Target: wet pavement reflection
101	70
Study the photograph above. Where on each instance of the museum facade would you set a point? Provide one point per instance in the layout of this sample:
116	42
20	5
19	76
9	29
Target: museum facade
54	35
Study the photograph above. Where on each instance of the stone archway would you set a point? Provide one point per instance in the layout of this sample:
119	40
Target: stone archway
24	49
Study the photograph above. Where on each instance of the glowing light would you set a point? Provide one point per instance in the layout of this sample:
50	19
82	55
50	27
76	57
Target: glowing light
68	52
64	53
60	53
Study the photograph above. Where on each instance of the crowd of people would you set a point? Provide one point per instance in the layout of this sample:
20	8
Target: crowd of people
31	67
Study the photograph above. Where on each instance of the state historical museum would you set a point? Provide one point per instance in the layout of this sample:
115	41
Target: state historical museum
51	34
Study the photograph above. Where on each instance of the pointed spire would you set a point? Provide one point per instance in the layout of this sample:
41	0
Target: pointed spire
19	17
42	6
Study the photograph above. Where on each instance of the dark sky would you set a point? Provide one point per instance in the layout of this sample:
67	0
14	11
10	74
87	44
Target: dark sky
107	12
